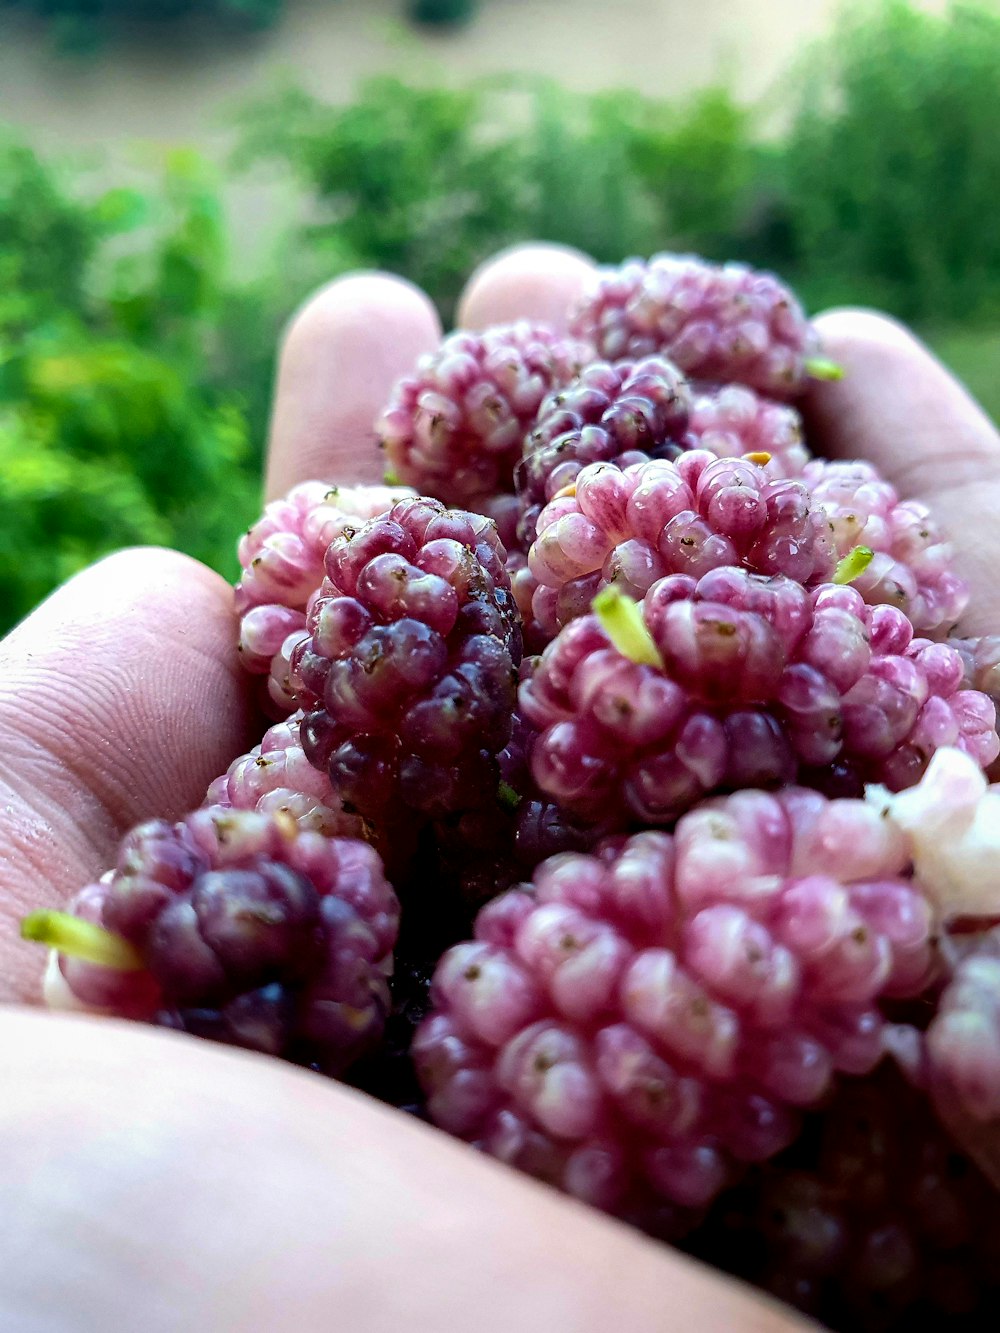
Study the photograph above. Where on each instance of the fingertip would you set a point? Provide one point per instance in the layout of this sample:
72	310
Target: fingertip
896	404
848	327
538	282
130	585
340	356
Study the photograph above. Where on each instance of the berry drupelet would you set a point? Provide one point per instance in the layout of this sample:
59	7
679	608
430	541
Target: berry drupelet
737	680
637	1023
236	926
407	677
455	426
725	324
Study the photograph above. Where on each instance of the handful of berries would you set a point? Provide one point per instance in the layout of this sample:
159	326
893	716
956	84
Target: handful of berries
631	822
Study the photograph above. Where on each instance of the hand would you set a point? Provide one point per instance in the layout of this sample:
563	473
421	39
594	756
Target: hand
208	1188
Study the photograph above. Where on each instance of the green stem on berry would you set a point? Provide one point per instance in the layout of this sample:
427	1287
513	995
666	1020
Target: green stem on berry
853	564
80	939
390	478
822	368
507	796
621	619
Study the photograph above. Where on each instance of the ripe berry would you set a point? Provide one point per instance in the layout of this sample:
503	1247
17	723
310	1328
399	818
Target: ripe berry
240	927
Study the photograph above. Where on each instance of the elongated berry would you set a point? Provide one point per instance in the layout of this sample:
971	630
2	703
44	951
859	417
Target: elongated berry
455	426
630	528
739	680
727	324
281	556
248	930
637	1022
407	677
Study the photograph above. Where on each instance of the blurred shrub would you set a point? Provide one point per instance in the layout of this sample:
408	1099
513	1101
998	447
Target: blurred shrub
428	182
881	188
134	378
113	428
891	165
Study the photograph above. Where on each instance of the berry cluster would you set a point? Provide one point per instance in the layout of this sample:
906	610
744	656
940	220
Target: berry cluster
241	927
873	1220
639	1020
605	729
408	670
455	427
724	325
281	557
736	680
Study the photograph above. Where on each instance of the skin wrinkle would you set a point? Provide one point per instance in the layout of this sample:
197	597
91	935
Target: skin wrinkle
139	689
893	391
78	778
973	469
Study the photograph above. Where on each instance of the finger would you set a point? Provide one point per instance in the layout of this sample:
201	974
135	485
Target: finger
536	282
232	1192
120	699
900	408
342	354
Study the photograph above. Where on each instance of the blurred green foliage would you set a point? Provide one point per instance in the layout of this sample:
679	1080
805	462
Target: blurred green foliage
879	188
891	167
134	375
114	425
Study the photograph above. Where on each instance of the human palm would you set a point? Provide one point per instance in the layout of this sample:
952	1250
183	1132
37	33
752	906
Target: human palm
161	1183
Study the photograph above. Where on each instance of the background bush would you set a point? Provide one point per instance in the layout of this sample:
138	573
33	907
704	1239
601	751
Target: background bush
135	375
115	425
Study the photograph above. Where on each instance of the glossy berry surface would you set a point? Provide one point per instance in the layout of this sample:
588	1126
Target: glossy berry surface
751	681
622	413
408	674
630	528
726	324
281	557
275	777
638	1022
250	931
454	428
